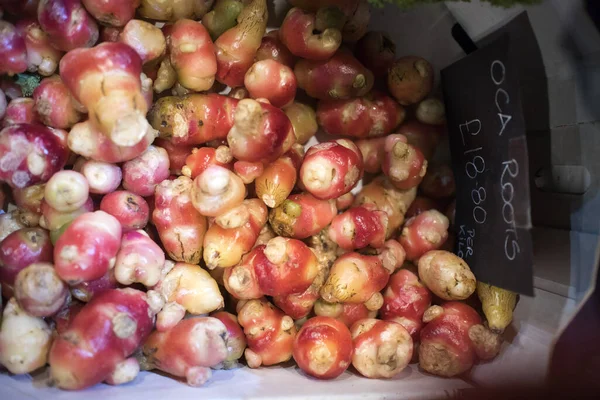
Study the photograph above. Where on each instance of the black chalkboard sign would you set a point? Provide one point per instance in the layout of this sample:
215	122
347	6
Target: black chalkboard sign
489	156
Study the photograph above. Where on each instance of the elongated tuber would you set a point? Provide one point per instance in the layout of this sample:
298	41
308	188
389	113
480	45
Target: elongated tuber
100	337
369	116
498	305
446	275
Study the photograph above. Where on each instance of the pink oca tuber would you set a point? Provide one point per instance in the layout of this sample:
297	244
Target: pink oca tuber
100	338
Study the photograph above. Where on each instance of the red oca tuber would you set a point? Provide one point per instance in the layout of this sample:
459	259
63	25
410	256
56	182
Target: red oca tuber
453	339
323	348
269	332
100	338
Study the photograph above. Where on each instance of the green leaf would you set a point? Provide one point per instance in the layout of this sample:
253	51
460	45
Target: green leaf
28	83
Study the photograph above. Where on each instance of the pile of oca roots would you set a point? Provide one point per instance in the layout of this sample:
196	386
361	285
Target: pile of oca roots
150	221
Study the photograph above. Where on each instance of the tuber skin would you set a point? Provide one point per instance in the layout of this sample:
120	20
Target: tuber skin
453	339
194	119
345	201
222	17
24	340
217	190
139	260
190	349
431	111
66	191
177	155
369	116
143	173
112	12
145	38
40	291
260	133
281	267
85	291
191	287
271	48
273	81
103	178
304	121
67	23
236	47
355	278
224	247
166	77
131	210
201	158
302	215
239	93
297	33
64	317
54	220
42	57
22	248
180	226
192	55
410	79
13	50
161	10
382	349
20	110
125	372
376	51
424	137
438	182
299	305
86	140
17	219
358	22
14	220
248	171
359	227
323	348
498	305
346	313
405	300
286	266
3	104
424	232
109	34
373	151
31	154
87	248
420	205
331	169
240	281
276	182
404	164
446	275
269	333
10	88
53	104
30	198
236	340
106	80
100	337
340	77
